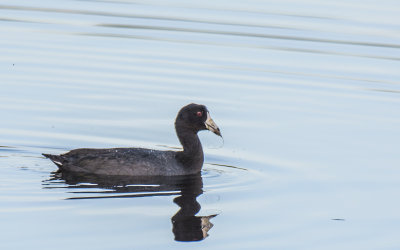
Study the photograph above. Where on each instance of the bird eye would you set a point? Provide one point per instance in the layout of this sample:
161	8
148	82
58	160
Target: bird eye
199	113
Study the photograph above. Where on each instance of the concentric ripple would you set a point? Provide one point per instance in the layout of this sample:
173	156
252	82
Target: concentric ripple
219	177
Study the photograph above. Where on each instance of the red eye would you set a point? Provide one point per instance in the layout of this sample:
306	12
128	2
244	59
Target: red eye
199	113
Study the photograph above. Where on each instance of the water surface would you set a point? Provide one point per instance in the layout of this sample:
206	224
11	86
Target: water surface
306	94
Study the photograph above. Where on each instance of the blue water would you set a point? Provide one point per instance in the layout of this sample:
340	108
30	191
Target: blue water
306	94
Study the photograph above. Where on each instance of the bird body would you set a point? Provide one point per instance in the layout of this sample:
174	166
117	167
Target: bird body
125	161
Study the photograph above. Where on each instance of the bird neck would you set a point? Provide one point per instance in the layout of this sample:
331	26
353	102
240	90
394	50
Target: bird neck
192	155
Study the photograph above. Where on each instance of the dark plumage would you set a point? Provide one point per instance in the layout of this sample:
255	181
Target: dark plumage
140	161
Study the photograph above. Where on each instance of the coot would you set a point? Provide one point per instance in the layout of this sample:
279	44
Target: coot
146	162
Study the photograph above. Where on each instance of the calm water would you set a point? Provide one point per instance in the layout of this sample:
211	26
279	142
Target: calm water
306	93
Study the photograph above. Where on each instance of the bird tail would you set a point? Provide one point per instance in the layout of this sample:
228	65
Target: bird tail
57	159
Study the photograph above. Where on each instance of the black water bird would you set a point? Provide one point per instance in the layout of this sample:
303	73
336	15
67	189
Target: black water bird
191	119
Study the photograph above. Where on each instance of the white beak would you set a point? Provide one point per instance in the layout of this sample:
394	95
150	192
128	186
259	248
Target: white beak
210	125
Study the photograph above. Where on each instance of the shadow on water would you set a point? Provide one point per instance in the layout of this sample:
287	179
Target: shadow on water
186	225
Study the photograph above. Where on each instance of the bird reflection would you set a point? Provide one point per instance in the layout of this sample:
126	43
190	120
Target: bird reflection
186	225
